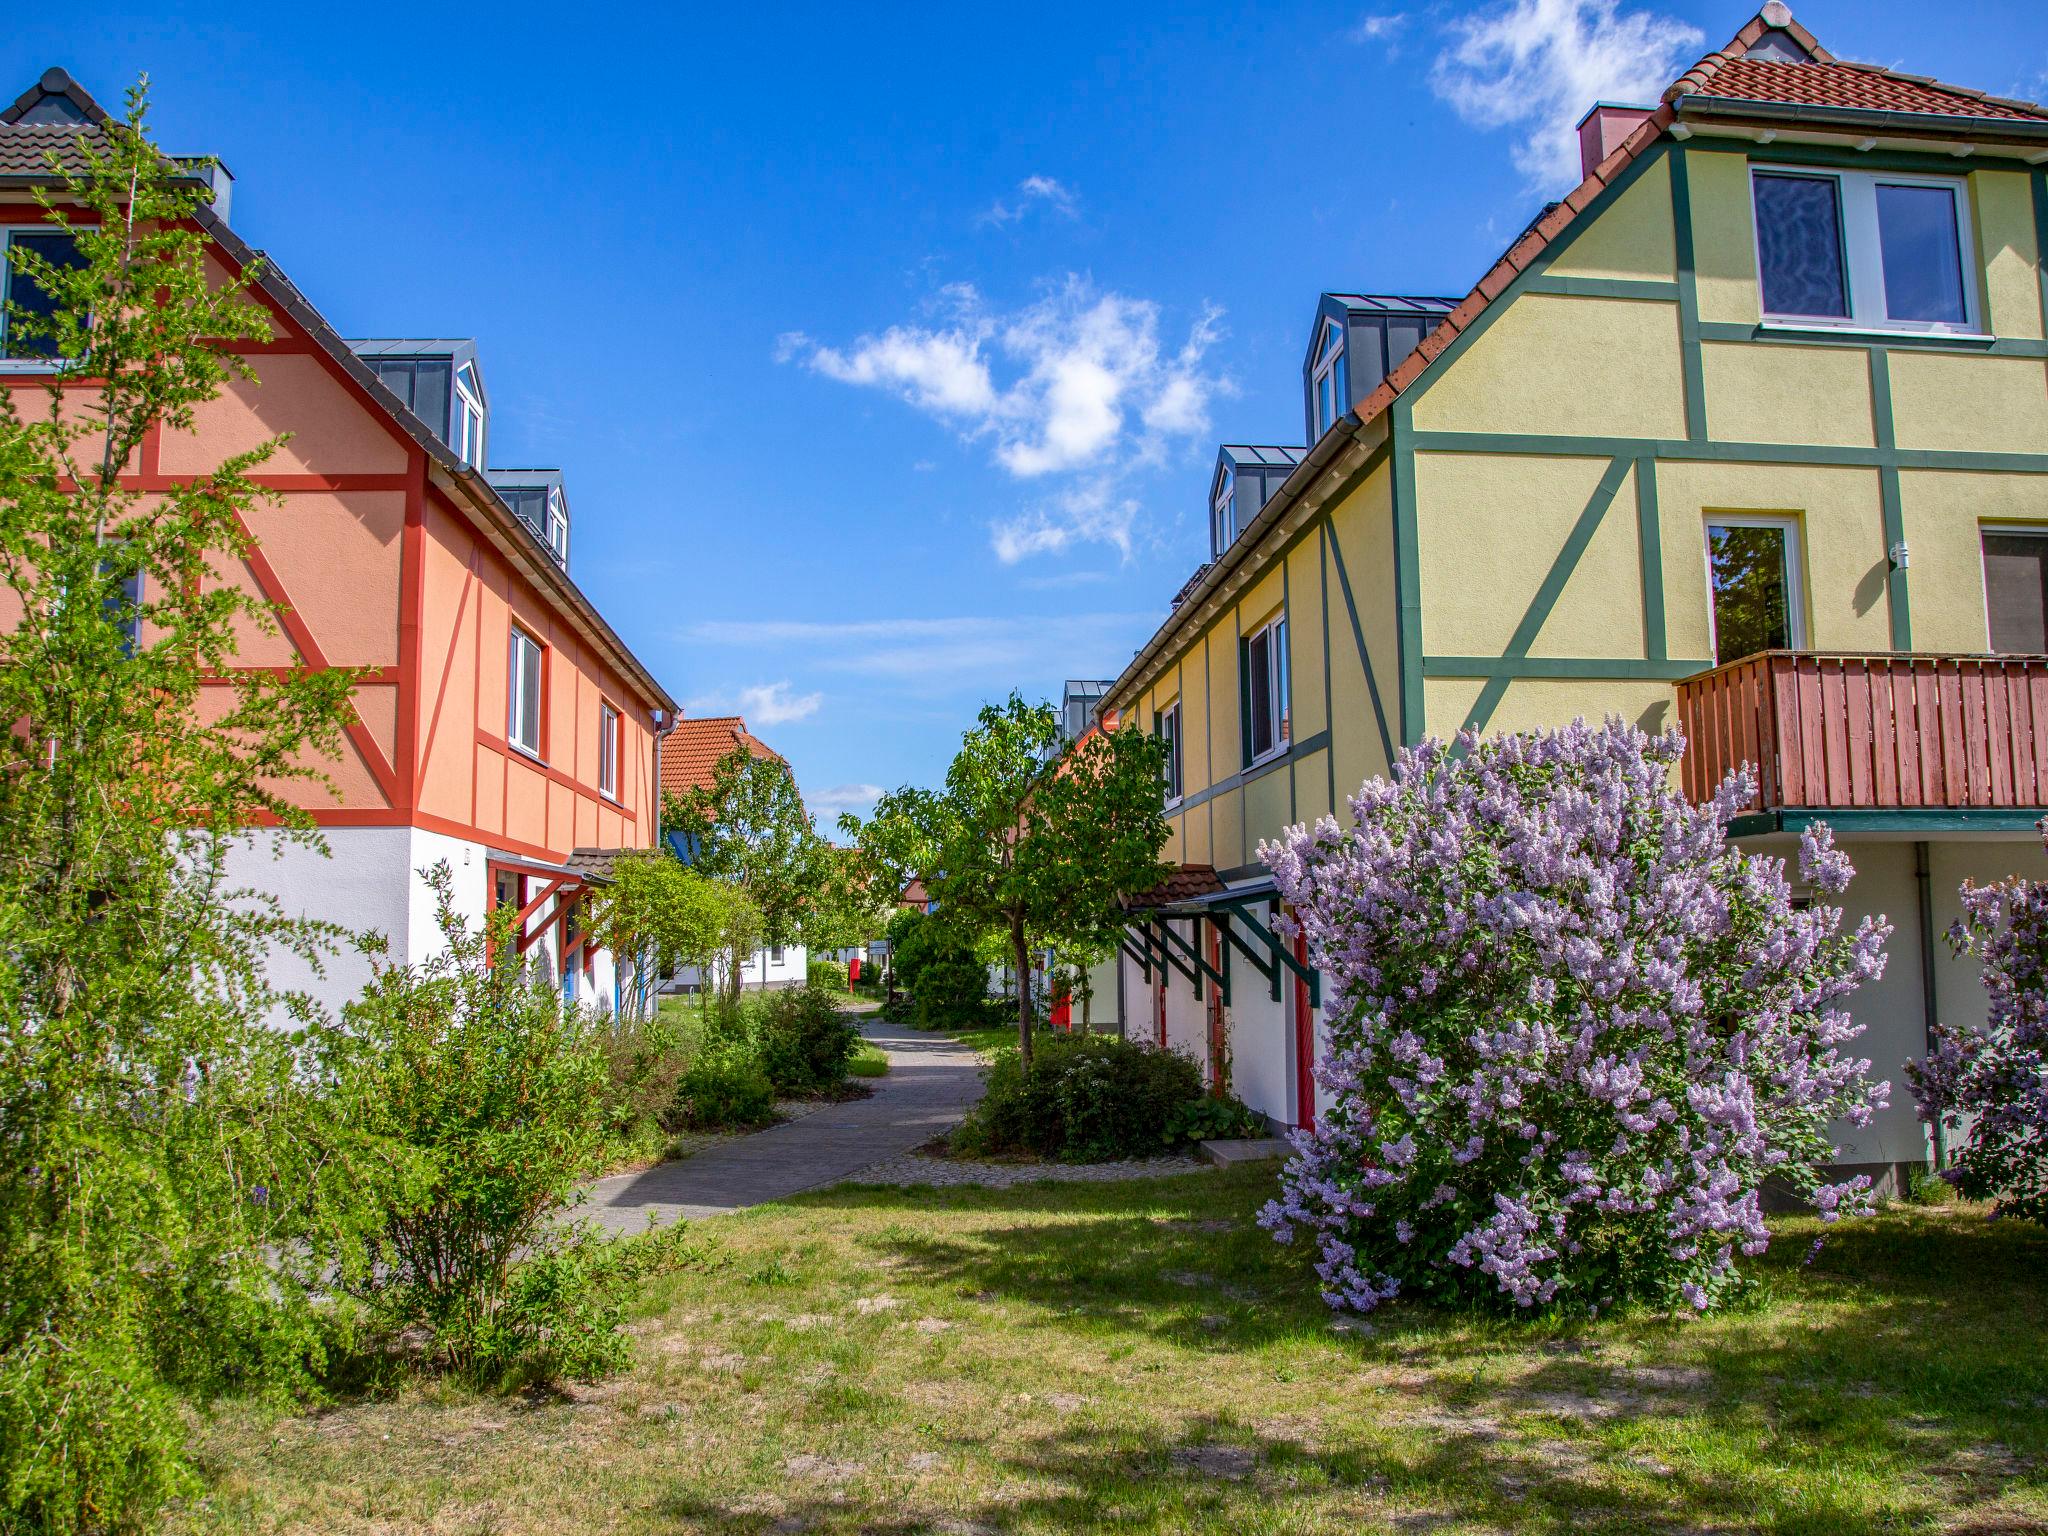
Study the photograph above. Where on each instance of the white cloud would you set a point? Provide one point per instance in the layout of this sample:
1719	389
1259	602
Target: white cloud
1536	66
1077	383
774	704
844	797
1374	29
1033	192
1094	512
936	653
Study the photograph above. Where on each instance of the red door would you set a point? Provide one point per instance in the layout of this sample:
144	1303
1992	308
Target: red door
1304	1045
1062	1012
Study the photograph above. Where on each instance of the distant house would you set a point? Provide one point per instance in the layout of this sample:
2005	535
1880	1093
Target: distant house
690	756
914	898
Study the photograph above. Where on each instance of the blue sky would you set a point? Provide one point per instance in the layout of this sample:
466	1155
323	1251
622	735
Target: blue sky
886	349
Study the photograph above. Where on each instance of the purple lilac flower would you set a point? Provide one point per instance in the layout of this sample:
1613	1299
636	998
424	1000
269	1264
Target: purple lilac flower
1561	1003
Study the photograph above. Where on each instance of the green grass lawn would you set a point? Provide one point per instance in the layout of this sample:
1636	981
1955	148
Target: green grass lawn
1139	1357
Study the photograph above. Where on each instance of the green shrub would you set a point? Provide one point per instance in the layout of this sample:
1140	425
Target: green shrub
802	1040
643	1060
826	975
1926	1187
1212	1119
724	1089
562	1308
1085	1098
488	1091
947	982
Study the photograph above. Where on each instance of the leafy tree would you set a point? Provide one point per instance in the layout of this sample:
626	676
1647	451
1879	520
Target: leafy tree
750	829
851	905
662	913
1028	843
156	1134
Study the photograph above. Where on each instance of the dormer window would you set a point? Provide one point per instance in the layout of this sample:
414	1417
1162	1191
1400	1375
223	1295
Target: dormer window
1223	513
1328	378
466	425
537	498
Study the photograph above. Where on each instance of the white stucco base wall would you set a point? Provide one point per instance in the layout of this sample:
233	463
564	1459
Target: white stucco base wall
372	882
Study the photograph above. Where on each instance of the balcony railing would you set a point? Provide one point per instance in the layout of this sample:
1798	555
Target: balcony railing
1880	731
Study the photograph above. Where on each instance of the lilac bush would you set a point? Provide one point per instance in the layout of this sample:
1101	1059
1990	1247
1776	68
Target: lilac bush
1993	1085
1572	1029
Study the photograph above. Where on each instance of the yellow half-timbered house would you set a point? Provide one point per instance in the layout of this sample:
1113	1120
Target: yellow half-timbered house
1748	434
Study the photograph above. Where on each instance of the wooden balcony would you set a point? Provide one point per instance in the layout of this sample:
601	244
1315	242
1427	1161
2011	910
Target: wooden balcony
1885	732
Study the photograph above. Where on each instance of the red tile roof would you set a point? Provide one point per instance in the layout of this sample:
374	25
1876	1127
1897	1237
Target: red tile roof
1856	86
1186	883
690	754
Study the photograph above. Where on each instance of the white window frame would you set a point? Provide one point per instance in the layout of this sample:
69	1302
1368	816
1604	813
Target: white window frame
557	520
1223	511
1169	730
2019	530
1272	633
1329	359
21	364
607	750
466	405
517	727
1863	254
1795	571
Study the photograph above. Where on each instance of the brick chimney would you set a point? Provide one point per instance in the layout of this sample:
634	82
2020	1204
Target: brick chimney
1602	130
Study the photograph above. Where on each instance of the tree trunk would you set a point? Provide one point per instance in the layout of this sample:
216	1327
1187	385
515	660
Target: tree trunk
1021	950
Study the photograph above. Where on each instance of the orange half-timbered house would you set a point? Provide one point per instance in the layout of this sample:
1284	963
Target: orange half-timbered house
502	726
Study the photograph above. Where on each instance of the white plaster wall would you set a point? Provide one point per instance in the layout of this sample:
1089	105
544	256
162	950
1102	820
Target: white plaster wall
1187	1018
1890	1009
360	883
1261	1045
373	881
1100	1006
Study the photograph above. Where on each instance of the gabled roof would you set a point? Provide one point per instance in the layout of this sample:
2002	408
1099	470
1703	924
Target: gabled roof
692	751
58	107
1759	56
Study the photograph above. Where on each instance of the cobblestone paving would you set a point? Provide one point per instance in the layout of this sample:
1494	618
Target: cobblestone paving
933	1080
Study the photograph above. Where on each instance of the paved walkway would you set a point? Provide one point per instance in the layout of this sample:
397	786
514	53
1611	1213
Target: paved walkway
933	1080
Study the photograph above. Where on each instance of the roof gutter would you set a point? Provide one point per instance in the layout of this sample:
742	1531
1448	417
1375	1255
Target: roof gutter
1304	475
1977	130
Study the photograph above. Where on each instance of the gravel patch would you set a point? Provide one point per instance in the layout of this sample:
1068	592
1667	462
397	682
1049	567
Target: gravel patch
916	1168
